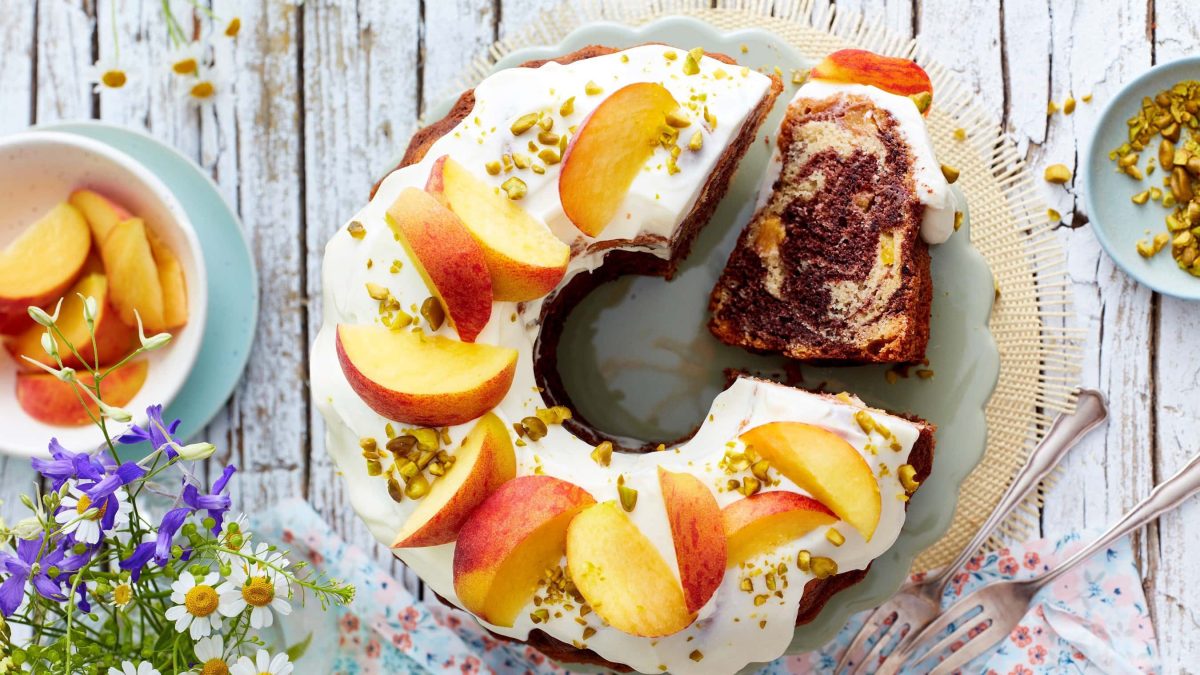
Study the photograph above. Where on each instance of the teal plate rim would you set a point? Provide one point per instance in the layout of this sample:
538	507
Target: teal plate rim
929	518
228	340
1116	221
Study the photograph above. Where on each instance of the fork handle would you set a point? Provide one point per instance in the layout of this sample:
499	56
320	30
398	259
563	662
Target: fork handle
1166	496
1064	433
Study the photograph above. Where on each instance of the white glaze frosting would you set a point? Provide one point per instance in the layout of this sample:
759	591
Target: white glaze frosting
937	223
730	631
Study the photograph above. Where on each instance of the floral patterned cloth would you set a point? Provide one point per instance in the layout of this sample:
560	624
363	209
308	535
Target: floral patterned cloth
1093	620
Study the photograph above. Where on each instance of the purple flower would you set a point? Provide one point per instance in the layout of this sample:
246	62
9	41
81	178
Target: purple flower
66	465
215	503
138	560
20	569
157	433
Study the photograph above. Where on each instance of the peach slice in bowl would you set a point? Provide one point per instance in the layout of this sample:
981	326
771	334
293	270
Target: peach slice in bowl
62	199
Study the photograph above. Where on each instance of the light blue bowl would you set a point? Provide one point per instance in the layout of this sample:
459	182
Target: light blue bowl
1117	221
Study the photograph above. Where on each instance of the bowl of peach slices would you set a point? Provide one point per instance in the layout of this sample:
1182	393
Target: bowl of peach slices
79	220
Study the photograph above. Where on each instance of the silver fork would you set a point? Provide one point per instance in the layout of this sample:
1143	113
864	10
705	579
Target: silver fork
1004	603
918	604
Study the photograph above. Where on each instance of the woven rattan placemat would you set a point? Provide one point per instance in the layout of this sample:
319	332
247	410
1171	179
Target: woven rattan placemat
1039	362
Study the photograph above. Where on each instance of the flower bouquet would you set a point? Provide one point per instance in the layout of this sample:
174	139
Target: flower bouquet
94	581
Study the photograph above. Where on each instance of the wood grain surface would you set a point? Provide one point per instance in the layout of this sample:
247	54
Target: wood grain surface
321	95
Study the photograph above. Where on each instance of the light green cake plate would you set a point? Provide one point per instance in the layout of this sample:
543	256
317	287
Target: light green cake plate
638	359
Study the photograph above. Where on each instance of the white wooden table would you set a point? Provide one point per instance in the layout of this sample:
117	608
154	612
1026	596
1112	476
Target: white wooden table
325	93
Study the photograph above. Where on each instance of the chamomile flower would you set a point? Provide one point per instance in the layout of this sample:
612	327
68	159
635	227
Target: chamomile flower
128	668
263	664
79	515
233	27
187	59
255	585
211	653
122	595
234	535
202	91
198	606
109	74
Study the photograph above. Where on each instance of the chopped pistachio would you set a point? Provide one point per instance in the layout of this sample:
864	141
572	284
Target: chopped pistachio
950	173
378	292
678	119
691	64
746	585
696	142
591	88
710	119
628	497
514	187
545	123
1141	197
1051	108
356	229
1057	174
908	478
922	100
1068	105
804	561
588	632
750	486
539	615
958	220
535	429
834	537
602	454
524	123
823	567
960	134
417	487
433	312
696	655
567	107
1086	98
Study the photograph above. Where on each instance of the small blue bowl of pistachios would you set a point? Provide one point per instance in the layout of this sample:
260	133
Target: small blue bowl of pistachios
1142	178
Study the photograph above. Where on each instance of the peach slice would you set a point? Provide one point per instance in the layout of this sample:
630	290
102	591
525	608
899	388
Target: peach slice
526	261
102	214
449	259
114	339
41	264
698	533
132	275
483	463
622	576
509	542
609	150
889	73
427	380
51	401
767	520
174	285
824	465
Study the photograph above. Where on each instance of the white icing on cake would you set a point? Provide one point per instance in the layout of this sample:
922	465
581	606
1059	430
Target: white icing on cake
937	224
728	629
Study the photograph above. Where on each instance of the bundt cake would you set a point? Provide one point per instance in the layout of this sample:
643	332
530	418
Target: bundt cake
430	370
834	265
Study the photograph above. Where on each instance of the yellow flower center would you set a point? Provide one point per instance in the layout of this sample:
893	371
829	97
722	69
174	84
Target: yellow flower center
114	78
215	667
258	591
235	25
122	594
201	601
202	90
85	503
186	66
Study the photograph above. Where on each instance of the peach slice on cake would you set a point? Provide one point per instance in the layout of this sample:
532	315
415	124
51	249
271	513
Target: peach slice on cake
132	275
426	380
698	532
449	259
889	73
52	401
102	213
41	264
174	285
824	465
510	540
622	576
526	261
609	150
764	521
114	338
484	462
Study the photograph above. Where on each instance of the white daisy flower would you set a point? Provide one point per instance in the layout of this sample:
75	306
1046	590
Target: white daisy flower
87	528
258	587
127	668
206	87
198	606
186	59
108	73
122	595
262	664
211	653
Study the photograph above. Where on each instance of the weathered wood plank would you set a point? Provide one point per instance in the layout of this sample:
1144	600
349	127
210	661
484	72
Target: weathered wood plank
1174	584
971	51
454	32
252	140
360	98
17	34
64	57
897	15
